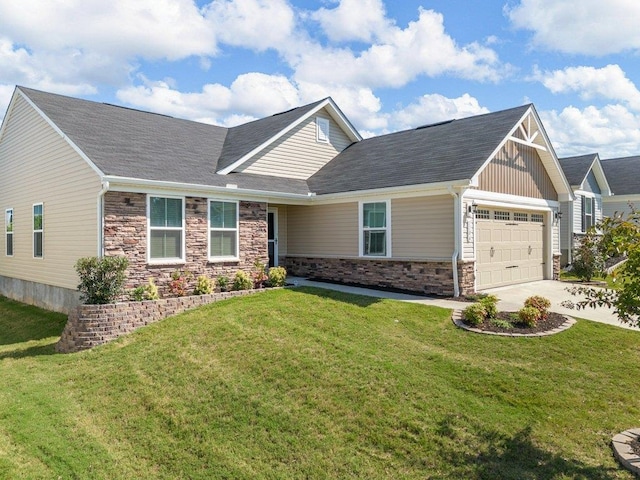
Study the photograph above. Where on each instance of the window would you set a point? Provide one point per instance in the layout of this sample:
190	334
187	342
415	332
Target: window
482	214
38	230
520	217
322	130
497	215
537	217
8	228
166	229
223	230
588	212
375	235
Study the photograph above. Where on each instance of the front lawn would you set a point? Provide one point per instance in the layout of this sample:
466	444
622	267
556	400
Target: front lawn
309	383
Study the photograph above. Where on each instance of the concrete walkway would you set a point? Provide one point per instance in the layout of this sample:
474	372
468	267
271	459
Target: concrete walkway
511	298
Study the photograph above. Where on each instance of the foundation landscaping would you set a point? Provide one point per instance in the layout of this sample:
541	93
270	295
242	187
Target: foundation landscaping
310	383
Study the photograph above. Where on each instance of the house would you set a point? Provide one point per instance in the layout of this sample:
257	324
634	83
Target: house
590	186
624	178
448	209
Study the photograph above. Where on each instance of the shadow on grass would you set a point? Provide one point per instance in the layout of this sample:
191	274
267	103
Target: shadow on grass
350	298
21	323
516	457
35	351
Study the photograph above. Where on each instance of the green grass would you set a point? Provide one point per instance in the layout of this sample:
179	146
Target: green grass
309	383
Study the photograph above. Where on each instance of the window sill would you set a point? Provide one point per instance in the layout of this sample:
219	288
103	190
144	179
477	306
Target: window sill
223	259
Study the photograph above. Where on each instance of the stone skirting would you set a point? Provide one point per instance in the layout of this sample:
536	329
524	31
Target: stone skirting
556	266
91	325
425	277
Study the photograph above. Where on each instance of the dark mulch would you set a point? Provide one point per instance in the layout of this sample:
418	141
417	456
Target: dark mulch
553	320
635	445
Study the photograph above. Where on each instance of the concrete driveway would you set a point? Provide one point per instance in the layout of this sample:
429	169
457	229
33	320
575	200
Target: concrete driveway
511	298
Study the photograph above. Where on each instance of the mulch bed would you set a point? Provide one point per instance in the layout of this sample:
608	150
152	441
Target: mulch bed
553	320
635	445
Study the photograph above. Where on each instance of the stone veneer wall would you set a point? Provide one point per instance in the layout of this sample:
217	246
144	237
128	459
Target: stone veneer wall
91	325
125	234
556	266
431	278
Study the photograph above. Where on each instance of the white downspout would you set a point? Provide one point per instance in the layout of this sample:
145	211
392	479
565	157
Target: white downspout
100	206
456	236
569	233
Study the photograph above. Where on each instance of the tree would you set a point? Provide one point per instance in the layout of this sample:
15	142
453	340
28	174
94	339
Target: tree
620	237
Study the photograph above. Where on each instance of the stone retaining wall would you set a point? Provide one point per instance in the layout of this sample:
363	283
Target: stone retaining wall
91	325
425	277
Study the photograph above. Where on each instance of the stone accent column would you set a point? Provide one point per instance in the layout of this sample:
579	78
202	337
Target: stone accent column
556	266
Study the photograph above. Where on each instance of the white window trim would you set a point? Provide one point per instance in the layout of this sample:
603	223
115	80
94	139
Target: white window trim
361	229
34	231
6	233
209	230
322	125
592	198
173	260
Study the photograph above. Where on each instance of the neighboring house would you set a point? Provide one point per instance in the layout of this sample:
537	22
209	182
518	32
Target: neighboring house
449	208
624	177
590	186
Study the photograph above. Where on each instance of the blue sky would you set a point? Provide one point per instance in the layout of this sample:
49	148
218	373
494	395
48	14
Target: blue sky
390	65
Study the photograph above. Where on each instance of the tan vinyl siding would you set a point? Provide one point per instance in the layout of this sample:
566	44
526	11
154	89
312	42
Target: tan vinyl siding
609	208
422	227
517	170
298	154
40	167
565	231
555	237
323	230
468	231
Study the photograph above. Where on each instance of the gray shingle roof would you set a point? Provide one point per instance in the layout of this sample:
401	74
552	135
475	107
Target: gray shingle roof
623	174
576	168
447	151
131	143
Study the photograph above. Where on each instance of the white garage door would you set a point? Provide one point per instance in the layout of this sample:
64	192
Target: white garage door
510	247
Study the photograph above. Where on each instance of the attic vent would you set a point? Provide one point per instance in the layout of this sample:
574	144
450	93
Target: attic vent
136	110
282	113
435	124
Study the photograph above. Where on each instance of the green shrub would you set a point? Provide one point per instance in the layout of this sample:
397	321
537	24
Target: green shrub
498	322
474	314
528	316
223	283
145	292
277	276
588	260
541	304
101	279
490	304
260	275
242	281
204	285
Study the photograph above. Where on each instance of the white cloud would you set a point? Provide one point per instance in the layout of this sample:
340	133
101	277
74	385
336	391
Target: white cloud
433	108
590	27
609	82
612	131
255	24
359	20
401	55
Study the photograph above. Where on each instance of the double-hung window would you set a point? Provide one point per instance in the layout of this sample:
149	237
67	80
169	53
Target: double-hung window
8	229
588	212
166	229
223	230
38	230
375	229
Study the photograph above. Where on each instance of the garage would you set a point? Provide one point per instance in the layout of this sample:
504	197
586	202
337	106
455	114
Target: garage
510	247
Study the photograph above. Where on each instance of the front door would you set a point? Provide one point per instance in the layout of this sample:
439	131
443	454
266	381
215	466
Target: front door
272	222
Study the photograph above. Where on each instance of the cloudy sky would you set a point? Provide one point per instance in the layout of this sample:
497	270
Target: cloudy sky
390	65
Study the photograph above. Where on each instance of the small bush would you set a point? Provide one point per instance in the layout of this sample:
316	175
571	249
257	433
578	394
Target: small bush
474	314
260	275
242	281
588	261
500	323
541	304
490	304
101	279
145	292
180	282
204	285
223	283
528	316
277	276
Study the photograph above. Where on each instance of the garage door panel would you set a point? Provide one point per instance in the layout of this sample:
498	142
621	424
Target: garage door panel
509	251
